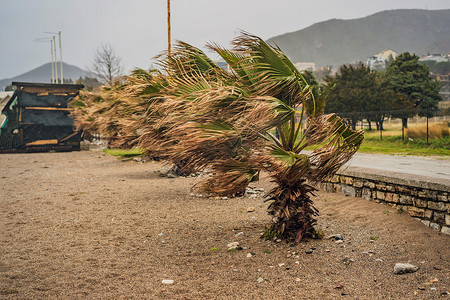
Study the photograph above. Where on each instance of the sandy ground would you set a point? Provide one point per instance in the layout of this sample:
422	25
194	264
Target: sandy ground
82	225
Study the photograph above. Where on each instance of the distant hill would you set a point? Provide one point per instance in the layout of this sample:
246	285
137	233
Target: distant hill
335	42
44	74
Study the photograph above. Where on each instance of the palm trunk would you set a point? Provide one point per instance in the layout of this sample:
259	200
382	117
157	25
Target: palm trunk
293	216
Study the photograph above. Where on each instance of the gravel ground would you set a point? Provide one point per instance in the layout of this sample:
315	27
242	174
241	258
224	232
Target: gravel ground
82	225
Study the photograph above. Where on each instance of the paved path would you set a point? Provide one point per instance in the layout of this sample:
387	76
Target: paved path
414	165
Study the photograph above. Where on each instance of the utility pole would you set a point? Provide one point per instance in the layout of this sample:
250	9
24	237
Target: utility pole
56	64
168	25
53	61
51	52
60	55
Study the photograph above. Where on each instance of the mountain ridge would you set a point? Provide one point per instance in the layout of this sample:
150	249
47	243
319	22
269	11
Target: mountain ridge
338	41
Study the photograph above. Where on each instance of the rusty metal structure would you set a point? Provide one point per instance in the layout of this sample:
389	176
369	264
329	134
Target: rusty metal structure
36	119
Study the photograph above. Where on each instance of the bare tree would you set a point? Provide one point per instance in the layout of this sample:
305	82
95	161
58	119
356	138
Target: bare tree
106	65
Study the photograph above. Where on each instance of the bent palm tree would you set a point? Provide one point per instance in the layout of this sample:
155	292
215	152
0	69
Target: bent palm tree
227	124
206	117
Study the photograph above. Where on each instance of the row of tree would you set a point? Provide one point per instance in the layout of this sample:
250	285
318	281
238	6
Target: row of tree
200	117
441	67
404	90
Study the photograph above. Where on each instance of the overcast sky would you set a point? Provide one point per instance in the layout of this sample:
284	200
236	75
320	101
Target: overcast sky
137	29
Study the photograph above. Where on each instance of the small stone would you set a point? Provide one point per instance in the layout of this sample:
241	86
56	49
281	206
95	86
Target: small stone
435	226
379	259
433	289
249	255
298	279
224	198
250	192
233	245
339	241
339	286
261	190
239	234
160	234
336	237
297	262
167	281
309	251
250	209
445	229
327	250
403	268
260	280
171	175
282	264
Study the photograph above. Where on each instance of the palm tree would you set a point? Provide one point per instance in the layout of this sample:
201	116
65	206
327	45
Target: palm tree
225	121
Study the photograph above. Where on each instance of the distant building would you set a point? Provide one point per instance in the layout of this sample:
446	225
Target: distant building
380	61
223	65
444	80
435	57
308	66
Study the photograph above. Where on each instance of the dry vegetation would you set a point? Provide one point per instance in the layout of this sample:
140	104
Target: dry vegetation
435	131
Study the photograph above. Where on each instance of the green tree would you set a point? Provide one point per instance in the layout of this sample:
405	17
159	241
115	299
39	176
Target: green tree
315	105
350	92
415	91
442	67
90	83
380	103
322	73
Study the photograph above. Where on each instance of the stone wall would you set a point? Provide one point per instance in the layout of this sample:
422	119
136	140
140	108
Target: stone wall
424	199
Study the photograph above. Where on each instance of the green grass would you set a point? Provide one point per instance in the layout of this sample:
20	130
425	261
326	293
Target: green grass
393	144
128	153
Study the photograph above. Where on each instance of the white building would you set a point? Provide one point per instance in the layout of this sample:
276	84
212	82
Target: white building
436	57
379	61
308	66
